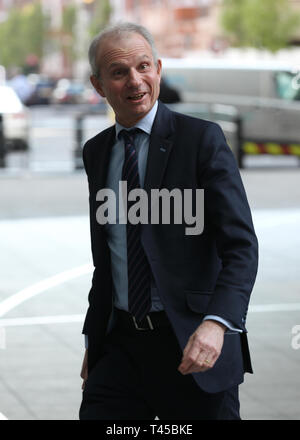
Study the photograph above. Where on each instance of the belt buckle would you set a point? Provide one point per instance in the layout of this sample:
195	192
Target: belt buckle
151	327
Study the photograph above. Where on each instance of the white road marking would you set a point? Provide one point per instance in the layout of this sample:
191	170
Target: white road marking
66	319
274	217
38	320
284	307
2	417
27	293
262	219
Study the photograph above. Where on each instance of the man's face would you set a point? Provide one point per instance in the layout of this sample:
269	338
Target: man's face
129	78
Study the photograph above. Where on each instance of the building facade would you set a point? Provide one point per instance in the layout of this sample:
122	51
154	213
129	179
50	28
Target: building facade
180	27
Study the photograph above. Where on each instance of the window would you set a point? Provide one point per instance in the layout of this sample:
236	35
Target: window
288	85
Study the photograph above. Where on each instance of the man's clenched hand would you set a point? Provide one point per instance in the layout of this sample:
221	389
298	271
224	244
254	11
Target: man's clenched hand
84	369
203	348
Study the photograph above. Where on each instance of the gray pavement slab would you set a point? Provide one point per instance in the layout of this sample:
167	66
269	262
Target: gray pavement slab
44	231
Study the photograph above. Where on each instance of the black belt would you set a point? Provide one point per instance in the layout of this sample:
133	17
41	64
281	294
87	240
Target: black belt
152	321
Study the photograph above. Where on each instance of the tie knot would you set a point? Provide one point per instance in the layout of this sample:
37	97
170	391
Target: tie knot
129	135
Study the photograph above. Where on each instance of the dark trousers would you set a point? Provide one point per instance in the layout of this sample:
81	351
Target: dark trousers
137	379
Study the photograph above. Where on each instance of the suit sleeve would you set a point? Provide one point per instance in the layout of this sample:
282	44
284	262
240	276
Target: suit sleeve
86	156
85	325
228	216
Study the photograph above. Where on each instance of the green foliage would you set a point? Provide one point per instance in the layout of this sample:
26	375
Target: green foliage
264	24
22	34
34	26
101	16
69	19
11	48
68	32
26	32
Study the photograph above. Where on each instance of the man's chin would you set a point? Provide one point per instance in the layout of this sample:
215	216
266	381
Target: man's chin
138	111
133	113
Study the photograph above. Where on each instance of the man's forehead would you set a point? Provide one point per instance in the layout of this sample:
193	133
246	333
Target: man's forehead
115	48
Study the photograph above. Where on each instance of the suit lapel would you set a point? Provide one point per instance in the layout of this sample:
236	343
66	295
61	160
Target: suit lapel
160	147
101	162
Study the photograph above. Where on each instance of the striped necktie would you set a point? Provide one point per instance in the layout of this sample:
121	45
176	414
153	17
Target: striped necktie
139	297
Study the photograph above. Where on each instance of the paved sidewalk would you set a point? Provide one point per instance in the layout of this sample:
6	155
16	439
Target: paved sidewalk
44	232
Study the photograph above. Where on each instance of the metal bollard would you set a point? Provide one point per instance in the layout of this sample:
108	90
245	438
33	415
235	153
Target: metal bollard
78	163
2	144
239	139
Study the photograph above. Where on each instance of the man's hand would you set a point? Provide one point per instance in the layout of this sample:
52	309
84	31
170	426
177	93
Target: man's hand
84	369
203	348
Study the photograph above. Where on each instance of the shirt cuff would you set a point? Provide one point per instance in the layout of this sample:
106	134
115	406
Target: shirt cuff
86	341
223	321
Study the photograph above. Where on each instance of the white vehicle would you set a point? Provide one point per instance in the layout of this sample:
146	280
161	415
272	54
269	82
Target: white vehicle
15	120
265	94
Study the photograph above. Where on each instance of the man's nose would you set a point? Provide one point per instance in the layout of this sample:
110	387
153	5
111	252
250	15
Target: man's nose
134	78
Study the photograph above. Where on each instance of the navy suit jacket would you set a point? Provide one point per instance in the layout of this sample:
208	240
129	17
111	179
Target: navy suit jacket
211	273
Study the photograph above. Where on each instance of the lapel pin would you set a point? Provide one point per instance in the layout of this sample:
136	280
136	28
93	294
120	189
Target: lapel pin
163	149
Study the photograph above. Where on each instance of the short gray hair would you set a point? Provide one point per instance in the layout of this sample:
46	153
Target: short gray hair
118	30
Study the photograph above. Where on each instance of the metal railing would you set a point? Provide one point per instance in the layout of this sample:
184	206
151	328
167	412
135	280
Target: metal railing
226	116
80	132
231	122
2	144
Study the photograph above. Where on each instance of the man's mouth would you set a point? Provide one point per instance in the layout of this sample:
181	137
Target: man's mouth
137	96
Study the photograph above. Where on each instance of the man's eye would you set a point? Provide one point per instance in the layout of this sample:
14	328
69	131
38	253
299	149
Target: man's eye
117	73
144	66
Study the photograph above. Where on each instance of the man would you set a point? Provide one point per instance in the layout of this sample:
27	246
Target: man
166	320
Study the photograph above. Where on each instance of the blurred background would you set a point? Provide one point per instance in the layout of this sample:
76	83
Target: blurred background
236	62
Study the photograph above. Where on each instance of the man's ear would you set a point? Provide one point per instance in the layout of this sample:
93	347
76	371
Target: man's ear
159	66
97	85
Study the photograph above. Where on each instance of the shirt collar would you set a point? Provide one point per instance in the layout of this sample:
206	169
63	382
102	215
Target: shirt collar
144	124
